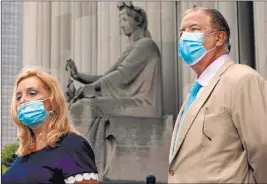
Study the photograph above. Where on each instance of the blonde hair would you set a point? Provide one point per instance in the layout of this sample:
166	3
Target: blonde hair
59	123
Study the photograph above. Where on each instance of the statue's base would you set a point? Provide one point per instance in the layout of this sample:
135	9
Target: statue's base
128	149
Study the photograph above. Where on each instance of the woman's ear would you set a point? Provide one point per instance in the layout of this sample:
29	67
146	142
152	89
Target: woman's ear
48	104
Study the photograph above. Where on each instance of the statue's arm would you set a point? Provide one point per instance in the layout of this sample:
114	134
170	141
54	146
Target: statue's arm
131	66
113	67
87	78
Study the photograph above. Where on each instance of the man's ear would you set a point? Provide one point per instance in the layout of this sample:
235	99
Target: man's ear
220	38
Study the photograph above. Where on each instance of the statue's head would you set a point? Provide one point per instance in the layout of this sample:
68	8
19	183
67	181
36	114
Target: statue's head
131	17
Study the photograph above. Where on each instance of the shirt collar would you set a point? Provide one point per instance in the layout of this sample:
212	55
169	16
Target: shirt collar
211	70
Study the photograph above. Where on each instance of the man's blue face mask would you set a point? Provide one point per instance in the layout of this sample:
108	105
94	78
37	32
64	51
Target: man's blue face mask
191	48
32	114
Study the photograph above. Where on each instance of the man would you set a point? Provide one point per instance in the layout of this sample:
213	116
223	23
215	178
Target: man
221	131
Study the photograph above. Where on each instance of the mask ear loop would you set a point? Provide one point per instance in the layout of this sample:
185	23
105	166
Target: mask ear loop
209	35
50	112
21	105
44	99
211	49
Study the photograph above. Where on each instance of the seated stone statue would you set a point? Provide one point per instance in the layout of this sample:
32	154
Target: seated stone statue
131	87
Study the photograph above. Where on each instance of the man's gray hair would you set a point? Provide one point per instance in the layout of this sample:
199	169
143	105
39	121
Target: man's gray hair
218	21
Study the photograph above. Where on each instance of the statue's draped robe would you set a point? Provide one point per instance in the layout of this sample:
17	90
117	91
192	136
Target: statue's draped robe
131	87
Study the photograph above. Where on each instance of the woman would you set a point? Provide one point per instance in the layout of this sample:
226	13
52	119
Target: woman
50	149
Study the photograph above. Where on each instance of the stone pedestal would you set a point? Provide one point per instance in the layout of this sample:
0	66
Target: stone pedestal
130	148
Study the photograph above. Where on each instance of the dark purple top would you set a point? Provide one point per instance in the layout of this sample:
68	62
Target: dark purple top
72	156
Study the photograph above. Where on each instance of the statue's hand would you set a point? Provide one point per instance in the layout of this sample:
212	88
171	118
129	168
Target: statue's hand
78	95
71	91
70	65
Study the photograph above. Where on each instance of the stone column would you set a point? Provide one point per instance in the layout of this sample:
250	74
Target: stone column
64	41
246	33
86	49
30	33
45	41
94	36
168	26
103	36
55	35
154	14
76	33
46	36
114	33
60	40
260	19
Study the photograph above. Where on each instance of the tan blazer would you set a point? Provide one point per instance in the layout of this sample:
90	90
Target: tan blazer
224	135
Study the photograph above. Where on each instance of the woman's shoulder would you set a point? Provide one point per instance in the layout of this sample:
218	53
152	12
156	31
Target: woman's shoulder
73	141
77	157
70	136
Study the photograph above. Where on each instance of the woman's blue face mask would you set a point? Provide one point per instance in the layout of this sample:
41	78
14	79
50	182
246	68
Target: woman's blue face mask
191	48
33	113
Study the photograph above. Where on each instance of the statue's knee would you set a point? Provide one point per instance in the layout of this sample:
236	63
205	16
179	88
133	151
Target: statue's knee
82	109
76	105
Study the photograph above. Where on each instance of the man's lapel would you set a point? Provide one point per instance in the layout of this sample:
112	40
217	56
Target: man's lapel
194	109
176	127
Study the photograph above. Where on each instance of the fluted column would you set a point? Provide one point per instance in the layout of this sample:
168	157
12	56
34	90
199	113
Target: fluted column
260	19
60	40
114	33
168	52
30	33
46	34
37	36
40	33
83	37
103	36
47	37
55	35
154	21
76	38
86	49
94	36
64	41
99	36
